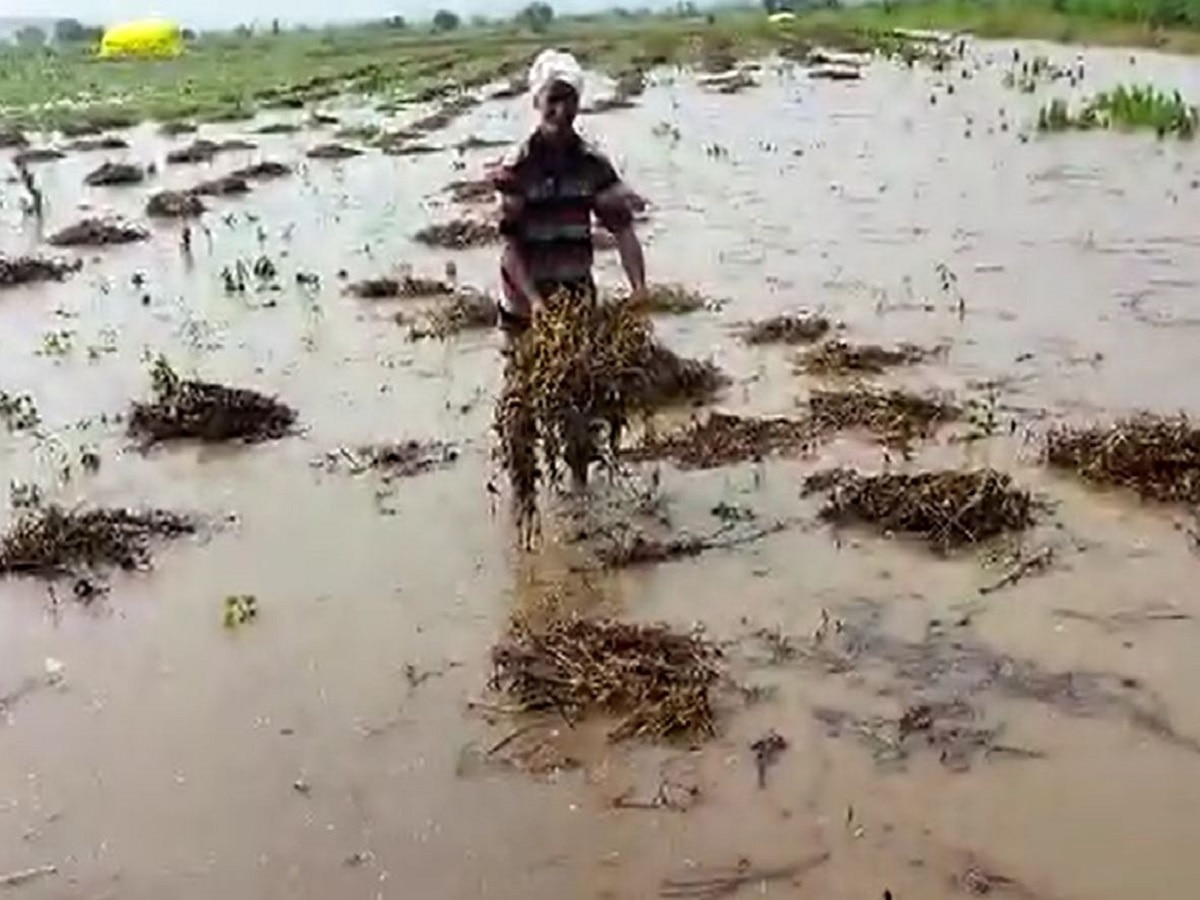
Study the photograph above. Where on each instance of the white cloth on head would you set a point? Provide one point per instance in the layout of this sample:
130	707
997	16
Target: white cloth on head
555	65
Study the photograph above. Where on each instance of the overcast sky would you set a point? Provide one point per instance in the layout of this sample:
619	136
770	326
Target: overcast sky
212	14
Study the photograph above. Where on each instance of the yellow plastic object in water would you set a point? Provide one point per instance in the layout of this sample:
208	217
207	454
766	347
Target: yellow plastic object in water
783	17
147	39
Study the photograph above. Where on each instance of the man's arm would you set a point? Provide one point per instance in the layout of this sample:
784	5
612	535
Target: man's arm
613	209
633	260
512	261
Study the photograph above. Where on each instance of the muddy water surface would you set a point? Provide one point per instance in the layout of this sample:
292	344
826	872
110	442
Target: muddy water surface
331	747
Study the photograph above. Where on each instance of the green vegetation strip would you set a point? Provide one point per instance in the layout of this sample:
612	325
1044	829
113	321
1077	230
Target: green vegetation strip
1137	108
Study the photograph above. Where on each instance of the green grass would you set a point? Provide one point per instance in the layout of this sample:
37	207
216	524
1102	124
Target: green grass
1172	25
1136	108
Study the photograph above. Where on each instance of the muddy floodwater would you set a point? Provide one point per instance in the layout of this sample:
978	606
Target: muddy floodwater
344	742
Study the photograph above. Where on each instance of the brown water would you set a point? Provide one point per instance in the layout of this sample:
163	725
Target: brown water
302	757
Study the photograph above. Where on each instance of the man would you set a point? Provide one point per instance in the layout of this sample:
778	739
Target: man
549	191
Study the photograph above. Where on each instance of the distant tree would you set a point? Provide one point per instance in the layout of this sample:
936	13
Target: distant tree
399	23
444	20
30	36
771	6
188	35
275	29
478	21
69	31
536	17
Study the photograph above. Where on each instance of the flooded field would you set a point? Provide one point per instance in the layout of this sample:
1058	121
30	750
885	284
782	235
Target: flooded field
294	701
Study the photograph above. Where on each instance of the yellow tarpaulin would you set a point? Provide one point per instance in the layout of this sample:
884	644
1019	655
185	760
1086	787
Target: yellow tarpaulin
147	39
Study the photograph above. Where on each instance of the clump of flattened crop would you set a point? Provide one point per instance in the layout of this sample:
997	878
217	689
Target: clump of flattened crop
197	152
55	541
225	186
658	682
174	205
673	299
333	151
946	509
723	439
262	171
895	416
403	459
842	358
459	234
466	311
407	286
113	174
202	411
472	190
15	270
98	233
1156	457
787	328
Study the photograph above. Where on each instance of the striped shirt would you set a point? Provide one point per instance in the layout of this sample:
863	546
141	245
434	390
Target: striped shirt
549	195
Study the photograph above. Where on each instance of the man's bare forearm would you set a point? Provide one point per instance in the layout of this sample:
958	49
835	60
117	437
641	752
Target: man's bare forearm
514	267
633	260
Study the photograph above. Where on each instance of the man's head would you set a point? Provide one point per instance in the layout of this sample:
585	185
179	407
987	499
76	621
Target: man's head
556	81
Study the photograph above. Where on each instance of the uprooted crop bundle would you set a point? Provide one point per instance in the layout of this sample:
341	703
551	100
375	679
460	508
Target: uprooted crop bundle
54	541
656	680
572	383
947	509
29	269
896	416
1157	457
198	410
